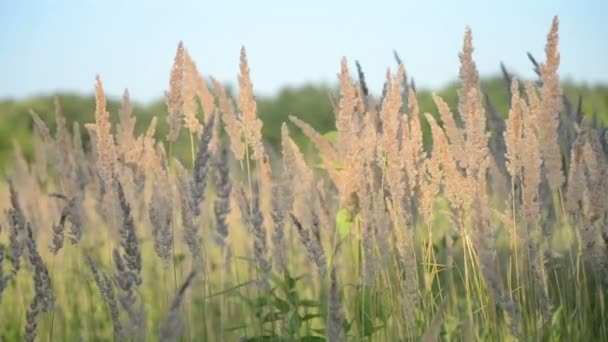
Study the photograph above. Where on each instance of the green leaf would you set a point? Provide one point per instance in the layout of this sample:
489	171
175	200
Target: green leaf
260	301
313	339
319	331
280	304
346	325
272	316
334	165
179	258
309	303
369	310
265	339
235	327
309	317
331	136
344	221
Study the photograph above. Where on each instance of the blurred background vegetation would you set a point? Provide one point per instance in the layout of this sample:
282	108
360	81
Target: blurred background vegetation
310	102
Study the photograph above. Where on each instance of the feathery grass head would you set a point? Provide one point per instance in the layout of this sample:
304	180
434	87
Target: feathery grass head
469	77
190	105
105	148
232	124
252	125
174	95
551	104
513	134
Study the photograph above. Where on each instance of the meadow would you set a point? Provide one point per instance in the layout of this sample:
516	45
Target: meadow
456	224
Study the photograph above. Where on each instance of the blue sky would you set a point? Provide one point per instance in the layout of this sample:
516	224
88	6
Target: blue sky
50	45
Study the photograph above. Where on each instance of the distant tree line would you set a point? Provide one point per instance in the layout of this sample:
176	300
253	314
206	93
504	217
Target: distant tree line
311	102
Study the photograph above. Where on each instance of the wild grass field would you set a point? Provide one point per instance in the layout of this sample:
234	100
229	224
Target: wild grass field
487	228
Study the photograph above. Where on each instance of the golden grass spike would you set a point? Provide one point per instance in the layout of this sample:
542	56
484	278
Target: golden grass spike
513	134
431	175
457	188
391	118
106	151
233	125
125	138
551	104
251	123
346	110
203	93
300	177
413	149
148	154
293	159
476	143
531	162
328	153
190	107
454	133
468	75
174	95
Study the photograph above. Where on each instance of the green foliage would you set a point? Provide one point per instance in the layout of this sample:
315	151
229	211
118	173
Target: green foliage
344	221
281	304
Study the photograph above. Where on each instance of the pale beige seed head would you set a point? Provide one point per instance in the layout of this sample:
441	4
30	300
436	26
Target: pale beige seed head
190	106
476	143
148	153
232	124
531	162
456	187
575	192
594	158
294	162
106	151
328	153
391	117
533	104
514	133
300	175
202	91
551	104
251	123
125	138
432	174
346	110
390	141
413	145
205	96
369	135
468	75
174	95
453	132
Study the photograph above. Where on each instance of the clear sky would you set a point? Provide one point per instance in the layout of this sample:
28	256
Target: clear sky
53	45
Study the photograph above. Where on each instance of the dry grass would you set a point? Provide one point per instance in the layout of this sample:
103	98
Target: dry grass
385	240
